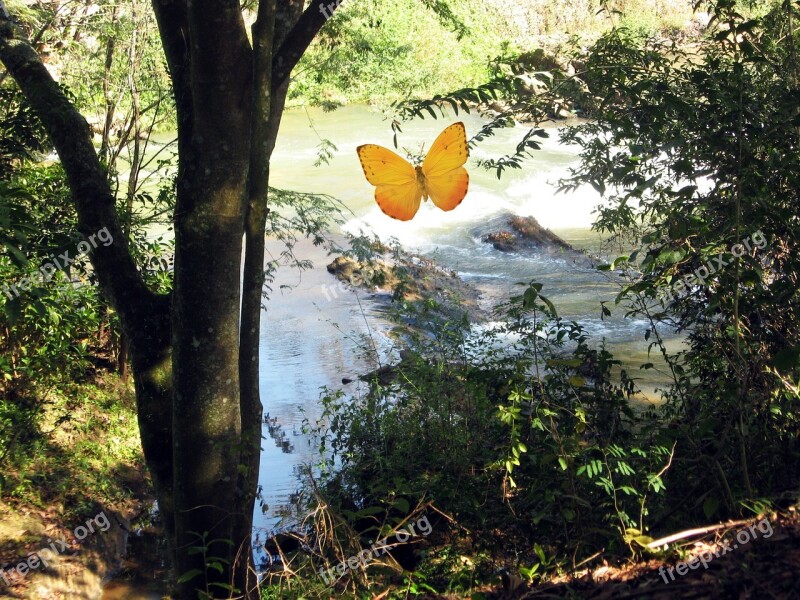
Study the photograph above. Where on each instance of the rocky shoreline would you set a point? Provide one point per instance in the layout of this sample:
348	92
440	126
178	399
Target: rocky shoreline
393	275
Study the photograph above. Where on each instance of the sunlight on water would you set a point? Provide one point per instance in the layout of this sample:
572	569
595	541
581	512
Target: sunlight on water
304	347
302	350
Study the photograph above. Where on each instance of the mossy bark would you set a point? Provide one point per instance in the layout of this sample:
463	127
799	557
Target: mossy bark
195	352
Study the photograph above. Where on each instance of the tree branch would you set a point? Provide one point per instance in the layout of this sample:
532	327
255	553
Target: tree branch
94	200
298	40
173	28
655	544
263	32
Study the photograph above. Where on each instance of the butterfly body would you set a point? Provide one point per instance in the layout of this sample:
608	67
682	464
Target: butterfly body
422	188
400	187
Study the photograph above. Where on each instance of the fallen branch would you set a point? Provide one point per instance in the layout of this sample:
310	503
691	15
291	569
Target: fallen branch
697	531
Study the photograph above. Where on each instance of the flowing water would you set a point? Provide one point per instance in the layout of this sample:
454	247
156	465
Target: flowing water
304	343
312	330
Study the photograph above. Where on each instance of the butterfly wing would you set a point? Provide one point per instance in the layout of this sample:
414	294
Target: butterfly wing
448	152
446	179
448	190
400	202
396	189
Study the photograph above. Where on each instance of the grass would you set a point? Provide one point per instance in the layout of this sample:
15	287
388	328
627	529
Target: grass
85	456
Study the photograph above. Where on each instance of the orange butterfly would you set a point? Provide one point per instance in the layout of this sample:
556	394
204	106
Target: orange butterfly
400	186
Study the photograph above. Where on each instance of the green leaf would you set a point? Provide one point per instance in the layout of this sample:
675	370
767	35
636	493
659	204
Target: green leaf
13	309
710	506
17	256
189	575
537	549
402	505
640	540
215	565
550	305
620	260
529	298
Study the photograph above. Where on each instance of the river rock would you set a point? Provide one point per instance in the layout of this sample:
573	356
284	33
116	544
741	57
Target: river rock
505	241
512	233
411	279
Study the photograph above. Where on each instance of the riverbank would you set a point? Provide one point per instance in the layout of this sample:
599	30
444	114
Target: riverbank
72	500
501	465
411	279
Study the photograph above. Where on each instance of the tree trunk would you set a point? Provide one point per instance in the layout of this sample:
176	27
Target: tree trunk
194	354
209	222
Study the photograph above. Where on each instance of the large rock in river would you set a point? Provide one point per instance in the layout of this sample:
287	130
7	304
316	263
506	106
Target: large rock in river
512	233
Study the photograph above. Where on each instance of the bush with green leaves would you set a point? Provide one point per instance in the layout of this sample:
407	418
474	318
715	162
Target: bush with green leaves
49	332
696	149
524	433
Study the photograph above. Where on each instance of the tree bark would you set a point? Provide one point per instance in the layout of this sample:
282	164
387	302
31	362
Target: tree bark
194	353
252	290
276	22
205	310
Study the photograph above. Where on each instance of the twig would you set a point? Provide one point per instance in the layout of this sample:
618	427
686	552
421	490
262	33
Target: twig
586	560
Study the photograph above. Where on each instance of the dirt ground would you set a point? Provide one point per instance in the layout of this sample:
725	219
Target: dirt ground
741	563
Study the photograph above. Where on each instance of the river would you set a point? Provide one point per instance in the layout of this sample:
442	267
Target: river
311	332
305	345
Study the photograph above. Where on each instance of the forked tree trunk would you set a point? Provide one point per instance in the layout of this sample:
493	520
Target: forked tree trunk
194	353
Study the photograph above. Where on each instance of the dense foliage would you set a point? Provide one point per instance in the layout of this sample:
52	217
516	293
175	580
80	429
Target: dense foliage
698	150
522	435
537	455
47	326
